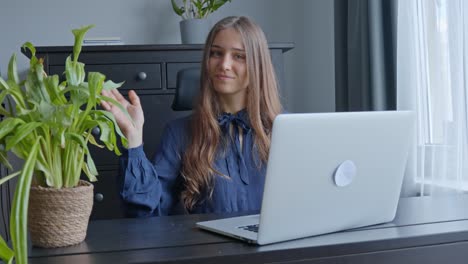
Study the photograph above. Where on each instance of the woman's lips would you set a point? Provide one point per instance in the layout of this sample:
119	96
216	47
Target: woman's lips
224	77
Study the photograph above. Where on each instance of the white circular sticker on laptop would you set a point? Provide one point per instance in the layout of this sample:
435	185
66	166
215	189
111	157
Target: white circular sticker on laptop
345	173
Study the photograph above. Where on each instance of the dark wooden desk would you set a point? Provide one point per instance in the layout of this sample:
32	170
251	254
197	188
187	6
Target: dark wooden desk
426	230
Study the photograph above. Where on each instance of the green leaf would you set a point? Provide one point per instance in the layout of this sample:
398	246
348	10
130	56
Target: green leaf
93	141
74	89
217	4
75	149
200	8
8	125
19	210
19	152
78	94
109	85
91	177
3	84
79	35
55	116
56	165
14	90
105	135
50	164
4	160
32	49
110	117
74	72
92	168
6	254
3	111
62	137
9	177
35	83
12	69
178	10
78	139
27	114
198	5
22	131
28	45
108	135
95	84
52	85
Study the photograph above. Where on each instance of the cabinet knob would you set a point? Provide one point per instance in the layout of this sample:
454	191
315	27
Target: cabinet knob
96	131
98	197
142	76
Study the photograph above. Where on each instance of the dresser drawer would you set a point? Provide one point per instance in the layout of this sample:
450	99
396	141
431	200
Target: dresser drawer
136	76
107	202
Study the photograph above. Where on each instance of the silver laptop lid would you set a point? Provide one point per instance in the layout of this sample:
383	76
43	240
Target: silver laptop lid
308	193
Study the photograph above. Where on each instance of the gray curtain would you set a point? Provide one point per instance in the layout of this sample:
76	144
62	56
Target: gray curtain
365	51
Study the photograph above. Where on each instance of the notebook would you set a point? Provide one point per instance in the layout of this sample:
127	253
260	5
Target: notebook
327	172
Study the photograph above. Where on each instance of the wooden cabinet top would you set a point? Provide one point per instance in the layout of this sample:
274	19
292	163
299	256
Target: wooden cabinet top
162	47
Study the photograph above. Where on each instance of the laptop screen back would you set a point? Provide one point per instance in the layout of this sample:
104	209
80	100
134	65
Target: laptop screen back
333	171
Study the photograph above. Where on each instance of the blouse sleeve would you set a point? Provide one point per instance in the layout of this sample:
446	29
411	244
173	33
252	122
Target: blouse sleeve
148	187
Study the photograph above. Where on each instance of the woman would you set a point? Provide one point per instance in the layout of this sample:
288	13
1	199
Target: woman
213	160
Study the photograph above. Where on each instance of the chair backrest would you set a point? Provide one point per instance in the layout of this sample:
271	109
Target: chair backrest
187	87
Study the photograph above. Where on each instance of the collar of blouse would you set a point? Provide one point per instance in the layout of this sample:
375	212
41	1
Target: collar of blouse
237	150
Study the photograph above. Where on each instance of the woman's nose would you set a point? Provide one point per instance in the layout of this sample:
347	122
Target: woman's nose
226	63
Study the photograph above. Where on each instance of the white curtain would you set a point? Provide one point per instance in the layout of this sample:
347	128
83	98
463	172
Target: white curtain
432	80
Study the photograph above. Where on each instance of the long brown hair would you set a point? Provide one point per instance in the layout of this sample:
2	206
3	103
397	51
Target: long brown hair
262	106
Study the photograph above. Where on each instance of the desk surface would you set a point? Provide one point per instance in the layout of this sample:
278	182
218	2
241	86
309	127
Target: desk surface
427	229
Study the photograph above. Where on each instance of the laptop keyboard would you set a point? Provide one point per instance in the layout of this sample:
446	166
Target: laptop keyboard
253	228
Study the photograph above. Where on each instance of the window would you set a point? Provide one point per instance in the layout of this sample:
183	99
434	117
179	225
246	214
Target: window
431	81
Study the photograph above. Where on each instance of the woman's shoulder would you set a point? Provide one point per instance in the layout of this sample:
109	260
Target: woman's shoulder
176	133
179	126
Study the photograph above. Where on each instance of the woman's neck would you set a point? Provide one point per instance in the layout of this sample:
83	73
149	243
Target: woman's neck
232	104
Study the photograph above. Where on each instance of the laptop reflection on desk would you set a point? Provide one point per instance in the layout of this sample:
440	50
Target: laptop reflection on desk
327	172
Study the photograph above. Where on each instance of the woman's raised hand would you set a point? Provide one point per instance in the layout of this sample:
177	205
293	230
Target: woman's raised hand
133	131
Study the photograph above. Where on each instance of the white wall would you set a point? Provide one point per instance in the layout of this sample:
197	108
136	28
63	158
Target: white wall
309	70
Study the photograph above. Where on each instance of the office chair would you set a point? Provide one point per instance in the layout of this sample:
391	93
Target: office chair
187	87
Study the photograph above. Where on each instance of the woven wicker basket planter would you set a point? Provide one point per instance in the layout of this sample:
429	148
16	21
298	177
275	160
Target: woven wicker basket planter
59	217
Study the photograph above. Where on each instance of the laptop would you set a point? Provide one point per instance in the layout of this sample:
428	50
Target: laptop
327	172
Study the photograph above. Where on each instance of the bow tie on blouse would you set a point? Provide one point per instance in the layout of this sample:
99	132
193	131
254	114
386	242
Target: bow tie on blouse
240	119
235	152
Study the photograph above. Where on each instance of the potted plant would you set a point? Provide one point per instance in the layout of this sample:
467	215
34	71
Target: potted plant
49	124
194	26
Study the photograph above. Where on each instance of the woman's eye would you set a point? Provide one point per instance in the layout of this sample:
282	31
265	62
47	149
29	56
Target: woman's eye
239	57
215	53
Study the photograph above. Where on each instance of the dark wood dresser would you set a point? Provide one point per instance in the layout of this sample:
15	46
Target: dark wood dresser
151	71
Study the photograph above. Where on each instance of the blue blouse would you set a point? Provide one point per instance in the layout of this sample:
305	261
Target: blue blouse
152	188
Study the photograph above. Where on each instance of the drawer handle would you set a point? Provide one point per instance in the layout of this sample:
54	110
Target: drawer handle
142	76
98	197
96	131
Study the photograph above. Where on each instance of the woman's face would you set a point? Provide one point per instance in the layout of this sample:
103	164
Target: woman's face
227	64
